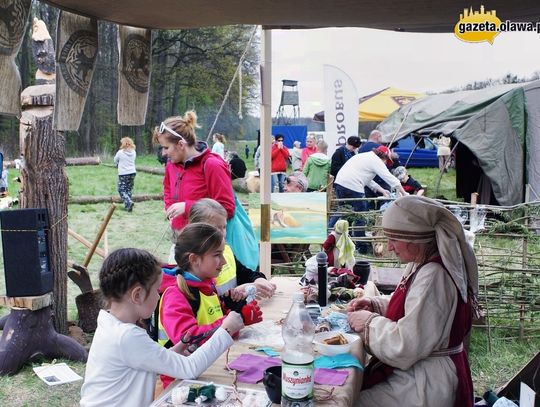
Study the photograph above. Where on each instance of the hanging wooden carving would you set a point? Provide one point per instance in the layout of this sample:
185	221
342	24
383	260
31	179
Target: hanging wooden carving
43	53
77	46
134	66
13	17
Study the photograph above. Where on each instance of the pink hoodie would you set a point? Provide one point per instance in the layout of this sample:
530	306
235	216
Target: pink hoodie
206	175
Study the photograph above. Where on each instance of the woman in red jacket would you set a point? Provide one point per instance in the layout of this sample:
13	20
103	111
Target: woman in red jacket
280	157
192	172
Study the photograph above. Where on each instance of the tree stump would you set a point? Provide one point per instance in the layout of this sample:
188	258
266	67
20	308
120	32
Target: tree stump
29	333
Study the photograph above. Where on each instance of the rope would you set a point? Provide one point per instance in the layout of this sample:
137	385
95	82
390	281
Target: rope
238	70
35	230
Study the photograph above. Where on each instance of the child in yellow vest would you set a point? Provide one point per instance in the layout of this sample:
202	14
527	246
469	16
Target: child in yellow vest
234	275
191	308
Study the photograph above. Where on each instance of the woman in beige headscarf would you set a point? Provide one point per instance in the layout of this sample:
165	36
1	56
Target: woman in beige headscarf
416	335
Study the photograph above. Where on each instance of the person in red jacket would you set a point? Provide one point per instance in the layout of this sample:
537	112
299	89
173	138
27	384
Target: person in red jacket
280	159
192	171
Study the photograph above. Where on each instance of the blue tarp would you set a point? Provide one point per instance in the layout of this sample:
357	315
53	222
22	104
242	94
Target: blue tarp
291	134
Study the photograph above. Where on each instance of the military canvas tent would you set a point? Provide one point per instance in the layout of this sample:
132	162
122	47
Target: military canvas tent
377	106
500	126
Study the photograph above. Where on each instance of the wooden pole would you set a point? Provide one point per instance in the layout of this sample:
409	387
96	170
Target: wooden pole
101	230
266	133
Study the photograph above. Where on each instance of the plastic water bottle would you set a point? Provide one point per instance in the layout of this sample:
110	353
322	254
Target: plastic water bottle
297	375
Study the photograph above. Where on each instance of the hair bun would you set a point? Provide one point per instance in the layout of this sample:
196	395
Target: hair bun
190	118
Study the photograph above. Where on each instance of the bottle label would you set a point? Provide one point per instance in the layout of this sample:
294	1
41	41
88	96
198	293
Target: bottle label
297	381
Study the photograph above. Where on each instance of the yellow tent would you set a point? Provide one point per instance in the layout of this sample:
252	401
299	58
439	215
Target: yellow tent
377	106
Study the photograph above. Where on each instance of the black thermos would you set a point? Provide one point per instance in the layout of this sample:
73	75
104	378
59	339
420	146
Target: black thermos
322	277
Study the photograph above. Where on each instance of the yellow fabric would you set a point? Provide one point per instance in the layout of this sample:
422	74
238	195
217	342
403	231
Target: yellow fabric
344	244
209	310
163	338
378	106
227	277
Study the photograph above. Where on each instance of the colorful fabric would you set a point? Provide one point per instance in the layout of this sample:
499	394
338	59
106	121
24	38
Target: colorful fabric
344	244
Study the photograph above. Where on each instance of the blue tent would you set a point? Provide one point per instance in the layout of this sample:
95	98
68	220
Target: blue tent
291	134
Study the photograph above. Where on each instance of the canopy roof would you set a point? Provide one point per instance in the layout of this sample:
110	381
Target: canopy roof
406	15
377	106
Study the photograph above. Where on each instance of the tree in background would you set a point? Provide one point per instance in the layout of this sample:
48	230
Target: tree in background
191	69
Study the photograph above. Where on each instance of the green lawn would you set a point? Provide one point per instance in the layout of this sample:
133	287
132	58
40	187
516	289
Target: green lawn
147	228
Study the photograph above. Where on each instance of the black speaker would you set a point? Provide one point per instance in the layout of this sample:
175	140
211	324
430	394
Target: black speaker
26	252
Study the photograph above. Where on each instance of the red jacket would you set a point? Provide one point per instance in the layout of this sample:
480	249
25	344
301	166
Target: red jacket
206	175
279	158
178	317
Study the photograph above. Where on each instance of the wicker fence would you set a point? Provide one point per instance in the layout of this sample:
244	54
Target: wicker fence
508	252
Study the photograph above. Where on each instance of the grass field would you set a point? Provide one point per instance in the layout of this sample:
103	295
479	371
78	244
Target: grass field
147	228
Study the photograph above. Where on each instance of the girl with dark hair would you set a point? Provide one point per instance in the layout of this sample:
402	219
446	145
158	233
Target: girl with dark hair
123	360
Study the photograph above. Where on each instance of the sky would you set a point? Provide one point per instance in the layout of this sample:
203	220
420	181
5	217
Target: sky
376	59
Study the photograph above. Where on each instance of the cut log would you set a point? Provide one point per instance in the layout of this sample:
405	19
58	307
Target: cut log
28	334
41	99
83	161
31	303
151	170
86	199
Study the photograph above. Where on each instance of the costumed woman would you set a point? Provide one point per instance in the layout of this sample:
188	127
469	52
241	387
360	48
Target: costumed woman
416	335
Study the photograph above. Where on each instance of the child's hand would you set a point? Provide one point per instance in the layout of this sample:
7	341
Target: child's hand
181	347
232	323
236	294
265	288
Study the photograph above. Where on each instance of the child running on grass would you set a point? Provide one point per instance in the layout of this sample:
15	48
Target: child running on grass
125	161
123	360
192	306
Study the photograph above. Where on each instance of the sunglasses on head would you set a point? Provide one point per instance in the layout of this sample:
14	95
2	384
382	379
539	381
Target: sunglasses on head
288	180
164	127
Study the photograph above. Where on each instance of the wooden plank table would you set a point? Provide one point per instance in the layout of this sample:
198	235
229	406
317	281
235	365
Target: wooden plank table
273	309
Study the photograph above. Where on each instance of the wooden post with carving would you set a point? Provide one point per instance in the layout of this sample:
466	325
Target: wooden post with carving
28	330
44	178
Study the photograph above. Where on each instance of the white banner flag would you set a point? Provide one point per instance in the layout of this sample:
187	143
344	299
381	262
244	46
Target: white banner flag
340	108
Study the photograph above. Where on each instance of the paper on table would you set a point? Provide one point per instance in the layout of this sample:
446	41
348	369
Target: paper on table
526	396
58	373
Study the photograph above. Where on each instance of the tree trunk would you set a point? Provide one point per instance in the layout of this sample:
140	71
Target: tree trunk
45	186
28	334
